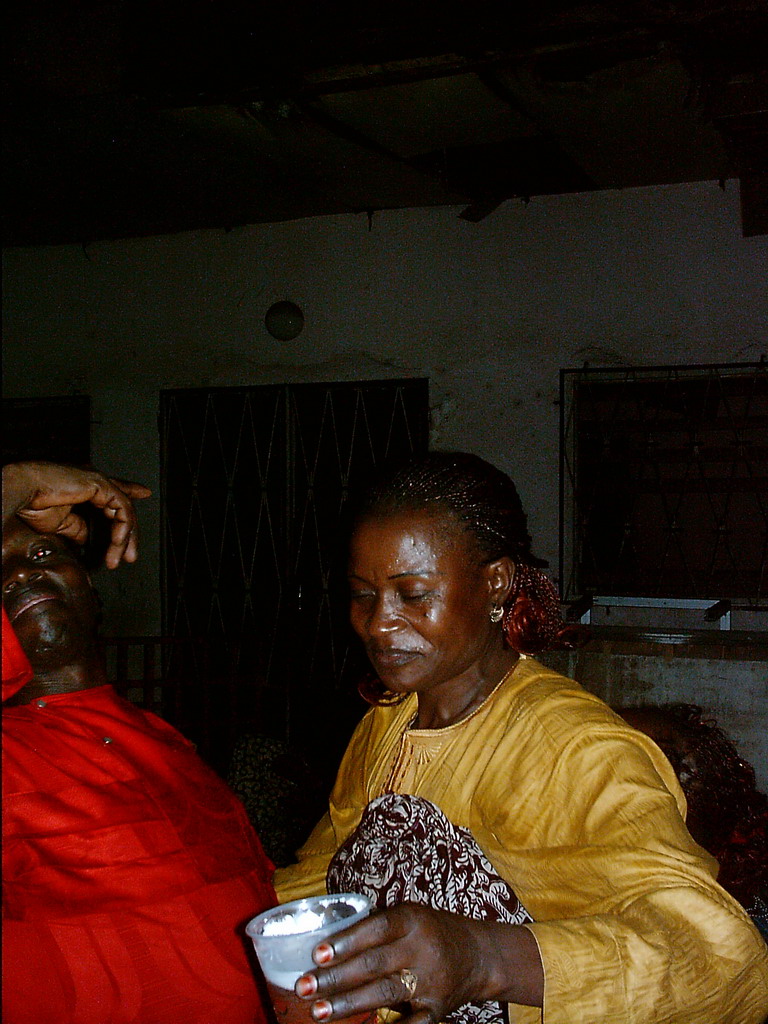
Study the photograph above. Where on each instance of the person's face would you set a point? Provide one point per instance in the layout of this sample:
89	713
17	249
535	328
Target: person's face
420	600
47	595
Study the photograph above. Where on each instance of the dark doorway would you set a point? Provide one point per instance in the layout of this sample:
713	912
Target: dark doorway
256	485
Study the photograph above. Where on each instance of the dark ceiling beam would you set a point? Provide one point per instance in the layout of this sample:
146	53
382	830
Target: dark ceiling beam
614	46
347	133
359	78
278	63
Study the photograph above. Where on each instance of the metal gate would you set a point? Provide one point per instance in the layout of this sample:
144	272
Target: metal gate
256	484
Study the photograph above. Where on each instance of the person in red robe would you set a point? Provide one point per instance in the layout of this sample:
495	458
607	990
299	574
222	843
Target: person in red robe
129	868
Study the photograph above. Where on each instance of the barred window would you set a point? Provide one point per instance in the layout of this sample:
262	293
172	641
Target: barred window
664	487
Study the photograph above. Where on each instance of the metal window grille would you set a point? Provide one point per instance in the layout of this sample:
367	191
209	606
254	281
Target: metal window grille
664	485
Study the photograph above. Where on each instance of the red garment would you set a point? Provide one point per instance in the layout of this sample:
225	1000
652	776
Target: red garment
16	668
129	871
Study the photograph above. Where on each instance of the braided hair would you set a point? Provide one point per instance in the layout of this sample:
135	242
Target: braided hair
484	502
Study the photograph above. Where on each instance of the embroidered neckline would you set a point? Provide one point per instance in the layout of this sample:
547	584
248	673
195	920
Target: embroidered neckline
426	733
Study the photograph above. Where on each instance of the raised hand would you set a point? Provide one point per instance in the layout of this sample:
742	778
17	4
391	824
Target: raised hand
43	495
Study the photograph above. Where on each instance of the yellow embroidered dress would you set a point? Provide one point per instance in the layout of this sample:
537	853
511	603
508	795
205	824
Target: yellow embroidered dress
582	816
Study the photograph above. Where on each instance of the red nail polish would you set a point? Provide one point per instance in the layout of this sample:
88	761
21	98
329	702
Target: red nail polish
323	953
322	1010
306	985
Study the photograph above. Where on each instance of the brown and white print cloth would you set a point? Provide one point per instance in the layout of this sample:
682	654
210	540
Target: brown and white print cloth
406	849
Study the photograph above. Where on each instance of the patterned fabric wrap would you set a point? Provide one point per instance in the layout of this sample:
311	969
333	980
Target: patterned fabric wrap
405	849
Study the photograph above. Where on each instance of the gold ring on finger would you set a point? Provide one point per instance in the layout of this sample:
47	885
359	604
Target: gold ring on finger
410	981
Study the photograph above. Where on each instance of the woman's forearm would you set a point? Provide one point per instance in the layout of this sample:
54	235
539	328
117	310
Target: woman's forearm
510	955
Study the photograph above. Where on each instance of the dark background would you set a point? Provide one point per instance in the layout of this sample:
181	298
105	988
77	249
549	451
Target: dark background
137	117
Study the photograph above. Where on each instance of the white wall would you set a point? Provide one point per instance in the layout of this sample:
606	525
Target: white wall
490	312
732	691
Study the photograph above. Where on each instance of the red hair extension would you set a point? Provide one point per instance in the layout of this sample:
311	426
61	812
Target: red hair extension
532	620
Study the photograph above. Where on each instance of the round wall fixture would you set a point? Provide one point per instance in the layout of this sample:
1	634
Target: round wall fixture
284	320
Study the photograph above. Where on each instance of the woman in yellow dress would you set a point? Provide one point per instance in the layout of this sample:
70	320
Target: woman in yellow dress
525	849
